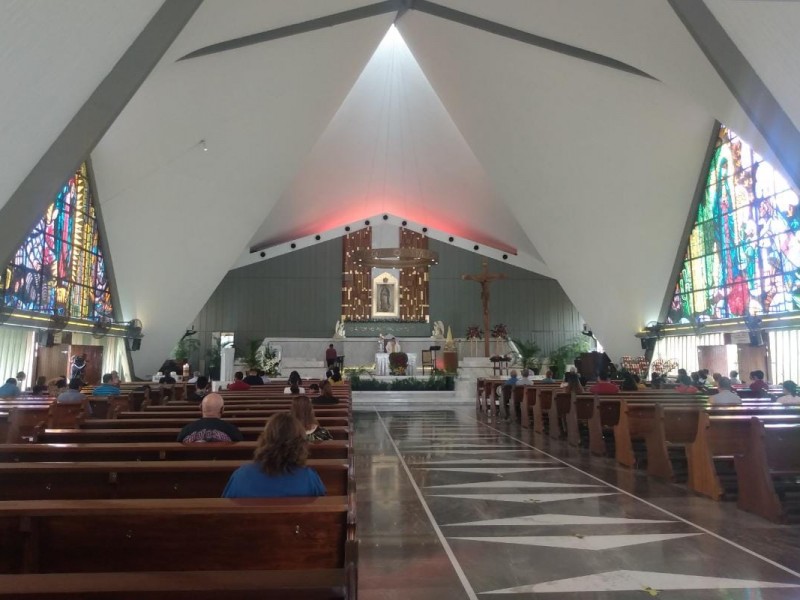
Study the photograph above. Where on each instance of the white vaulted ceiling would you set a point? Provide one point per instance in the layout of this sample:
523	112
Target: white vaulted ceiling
581	171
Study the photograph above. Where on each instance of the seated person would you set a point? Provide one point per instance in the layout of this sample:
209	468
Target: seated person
757	383
734	377
201	387
512	378
278	468
572	383
548	377
336	376
725	395
238	384
253	378
685	384
40	387
194	377
326	395
56	386
525	379
294	381
107	389
211	427
10	389
304	412
168	379
115	379
629	383
789	393
604	386
73	394
263	375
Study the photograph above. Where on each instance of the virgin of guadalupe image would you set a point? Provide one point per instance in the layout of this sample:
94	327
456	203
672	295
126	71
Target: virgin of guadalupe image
384	298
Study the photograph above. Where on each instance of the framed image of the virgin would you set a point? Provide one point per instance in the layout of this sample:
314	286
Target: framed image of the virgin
385	296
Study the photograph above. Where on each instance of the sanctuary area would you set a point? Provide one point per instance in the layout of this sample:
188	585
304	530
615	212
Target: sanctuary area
431	299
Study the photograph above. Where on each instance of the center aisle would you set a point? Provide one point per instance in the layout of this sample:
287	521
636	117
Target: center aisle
452	508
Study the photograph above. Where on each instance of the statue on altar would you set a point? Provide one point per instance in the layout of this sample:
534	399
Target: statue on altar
438	330
338	330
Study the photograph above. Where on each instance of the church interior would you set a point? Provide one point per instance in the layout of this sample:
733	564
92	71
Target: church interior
534	263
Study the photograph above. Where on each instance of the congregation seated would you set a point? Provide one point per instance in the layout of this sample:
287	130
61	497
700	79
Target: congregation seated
108	388
294	384
211	427
789	393
195	376
278	468
253	378
303	411
73	395
604	386
734	377
548	377
10	389
263	376
572	383
41	386
629	383
238	384
757	383
326	395
686	384
336	376
725	395
512	377
525	379
201	387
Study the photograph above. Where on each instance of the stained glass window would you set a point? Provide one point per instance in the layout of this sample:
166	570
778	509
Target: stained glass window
743	256
59	269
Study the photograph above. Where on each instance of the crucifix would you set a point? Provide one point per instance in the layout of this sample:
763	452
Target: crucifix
485	279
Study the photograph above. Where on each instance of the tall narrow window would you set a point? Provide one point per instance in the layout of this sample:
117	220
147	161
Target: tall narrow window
59	269
743	256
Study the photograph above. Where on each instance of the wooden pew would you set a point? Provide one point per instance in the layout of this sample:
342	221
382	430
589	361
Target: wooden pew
148	451
230	412
136	479
24	422
304	544
769	471
143	434
720	438
108	407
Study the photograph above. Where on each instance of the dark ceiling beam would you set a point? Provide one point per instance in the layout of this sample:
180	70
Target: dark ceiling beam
73	146
744	83
518	35
347	16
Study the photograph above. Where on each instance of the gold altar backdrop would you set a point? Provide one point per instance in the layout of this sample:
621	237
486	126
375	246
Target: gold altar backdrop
414	304
356	279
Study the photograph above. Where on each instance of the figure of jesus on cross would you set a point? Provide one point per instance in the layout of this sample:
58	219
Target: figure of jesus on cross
484	278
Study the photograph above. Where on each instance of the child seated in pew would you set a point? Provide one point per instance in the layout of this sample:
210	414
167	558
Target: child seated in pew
304	412
278	468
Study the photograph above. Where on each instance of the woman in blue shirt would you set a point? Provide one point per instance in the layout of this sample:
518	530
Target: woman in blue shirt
278	463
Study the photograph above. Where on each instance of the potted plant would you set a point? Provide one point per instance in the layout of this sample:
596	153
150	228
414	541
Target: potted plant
529	355
250	355
398	361
566	354
214	358
185	348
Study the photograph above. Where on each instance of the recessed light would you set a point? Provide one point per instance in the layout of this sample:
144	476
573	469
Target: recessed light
263	254
385	217
347	228
294	245
404	223
505	256
450	239
424	230
318	238
366	222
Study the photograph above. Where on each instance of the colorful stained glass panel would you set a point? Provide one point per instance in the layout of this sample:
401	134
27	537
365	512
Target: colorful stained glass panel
743	256
59	269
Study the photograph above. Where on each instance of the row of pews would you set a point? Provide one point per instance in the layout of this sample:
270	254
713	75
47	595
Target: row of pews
113	507
748	452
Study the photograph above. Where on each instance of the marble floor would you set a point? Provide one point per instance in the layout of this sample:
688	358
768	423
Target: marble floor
450	507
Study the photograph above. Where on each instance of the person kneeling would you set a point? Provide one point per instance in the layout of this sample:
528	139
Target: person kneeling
278	468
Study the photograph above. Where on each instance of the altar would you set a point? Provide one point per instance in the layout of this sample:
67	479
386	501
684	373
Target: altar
307	353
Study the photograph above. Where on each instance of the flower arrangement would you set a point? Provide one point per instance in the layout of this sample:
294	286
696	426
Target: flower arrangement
635	364
474	333
500	332
663	366
398	361
270	361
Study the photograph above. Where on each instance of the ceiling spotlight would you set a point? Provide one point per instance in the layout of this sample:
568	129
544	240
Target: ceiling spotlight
385	217
424	230
318	238
505	256
366	222
475	247
404	223
293	246
347	228
263	254
450	239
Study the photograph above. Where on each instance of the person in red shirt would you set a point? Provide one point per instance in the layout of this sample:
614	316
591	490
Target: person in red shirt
757	383
238	384
330	355
604	386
